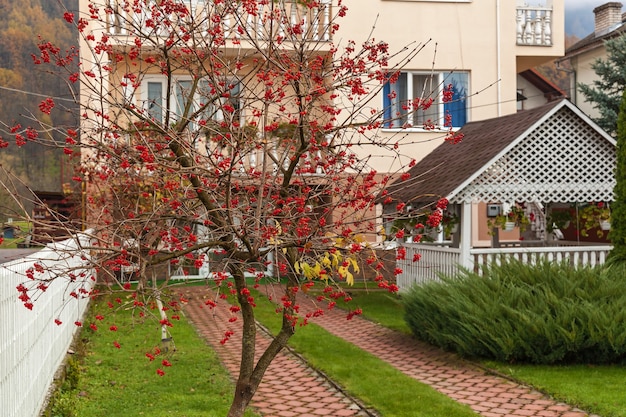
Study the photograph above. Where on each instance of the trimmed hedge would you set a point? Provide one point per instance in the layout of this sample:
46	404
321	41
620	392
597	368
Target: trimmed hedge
547	313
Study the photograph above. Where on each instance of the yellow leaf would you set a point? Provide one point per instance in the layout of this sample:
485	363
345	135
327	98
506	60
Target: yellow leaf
306	269
297	267
355	265
317	269
349	278
343	271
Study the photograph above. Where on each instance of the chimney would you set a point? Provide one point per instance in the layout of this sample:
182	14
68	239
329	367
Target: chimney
607	16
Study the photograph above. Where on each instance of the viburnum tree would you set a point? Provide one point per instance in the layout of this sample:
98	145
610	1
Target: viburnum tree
223	129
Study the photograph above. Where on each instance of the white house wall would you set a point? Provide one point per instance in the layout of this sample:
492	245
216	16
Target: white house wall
586	75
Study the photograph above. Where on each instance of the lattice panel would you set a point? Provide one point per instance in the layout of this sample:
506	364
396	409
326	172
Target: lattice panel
562	160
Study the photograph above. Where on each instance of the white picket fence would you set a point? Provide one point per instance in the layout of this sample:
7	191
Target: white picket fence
32	346
436	260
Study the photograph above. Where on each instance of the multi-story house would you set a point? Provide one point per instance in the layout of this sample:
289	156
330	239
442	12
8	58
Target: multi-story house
609	23
478	47
480	52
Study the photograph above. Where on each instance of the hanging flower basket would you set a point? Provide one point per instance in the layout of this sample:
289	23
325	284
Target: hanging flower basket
515	217
450	223
595	216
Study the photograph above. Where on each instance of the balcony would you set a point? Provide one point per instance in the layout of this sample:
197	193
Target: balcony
534	24
232	23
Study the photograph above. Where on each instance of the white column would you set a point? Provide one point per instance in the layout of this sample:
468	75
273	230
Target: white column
466	235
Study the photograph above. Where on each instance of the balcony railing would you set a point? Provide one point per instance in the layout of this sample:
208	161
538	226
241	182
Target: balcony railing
534	25
232	22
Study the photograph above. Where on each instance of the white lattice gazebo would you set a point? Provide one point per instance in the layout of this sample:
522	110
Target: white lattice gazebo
548	155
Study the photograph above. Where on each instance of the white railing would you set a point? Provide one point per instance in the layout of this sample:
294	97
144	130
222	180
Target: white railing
32	346
575	255
534	25
235	21
435	260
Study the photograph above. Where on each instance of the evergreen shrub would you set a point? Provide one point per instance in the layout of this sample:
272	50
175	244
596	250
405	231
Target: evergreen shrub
515	312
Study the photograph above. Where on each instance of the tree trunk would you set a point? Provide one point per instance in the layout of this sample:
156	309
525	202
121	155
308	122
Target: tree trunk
251	373
243	395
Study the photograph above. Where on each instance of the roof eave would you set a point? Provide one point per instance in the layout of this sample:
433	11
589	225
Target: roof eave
508	147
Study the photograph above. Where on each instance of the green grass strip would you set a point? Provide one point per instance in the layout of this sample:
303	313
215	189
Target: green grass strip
373	381
124	382
598	389
379	306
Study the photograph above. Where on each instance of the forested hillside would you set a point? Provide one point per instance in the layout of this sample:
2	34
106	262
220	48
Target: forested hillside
24	85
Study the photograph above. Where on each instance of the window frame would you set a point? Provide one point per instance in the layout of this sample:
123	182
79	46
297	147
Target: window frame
174	97
392	105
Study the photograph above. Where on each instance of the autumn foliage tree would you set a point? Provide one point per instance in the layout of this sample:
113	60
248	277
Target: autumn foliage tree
22	86
224	129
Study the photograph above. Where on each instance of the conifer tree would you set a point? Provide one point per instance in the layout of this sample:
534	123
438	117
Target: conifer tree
618	215
605	93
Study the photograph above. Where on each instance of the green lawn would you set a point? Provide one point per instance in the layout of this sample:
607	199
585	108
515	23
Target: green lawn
597	389
19	237
379	306
120	382
124	382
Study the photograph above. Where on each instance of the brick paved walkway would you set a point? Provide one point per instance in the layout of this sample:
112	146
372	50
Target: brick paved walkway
292	389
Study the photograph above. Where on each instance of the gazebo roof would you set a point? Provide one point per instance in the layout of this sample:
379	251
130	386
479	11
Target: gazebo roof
553	153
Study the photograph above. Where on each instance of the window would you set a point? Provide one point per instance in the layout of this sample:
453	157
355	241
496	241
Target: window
448	91
155	100
218	103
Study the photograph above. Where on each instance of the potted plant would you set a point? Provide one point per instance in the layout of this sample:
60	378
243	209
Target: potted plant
515	217
594	215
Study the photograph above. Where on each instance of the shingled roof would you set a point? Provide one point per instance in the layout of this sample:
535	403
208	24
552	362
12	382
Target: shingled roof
552	153
592	41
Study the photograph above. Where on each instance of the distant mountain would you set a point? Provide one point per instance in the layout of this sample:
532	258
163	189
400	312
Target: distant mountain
22	86
579	21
